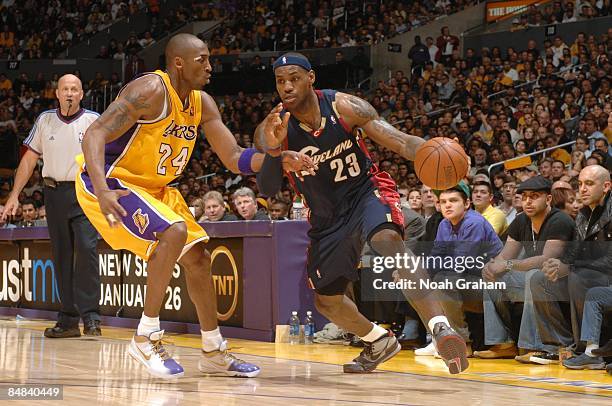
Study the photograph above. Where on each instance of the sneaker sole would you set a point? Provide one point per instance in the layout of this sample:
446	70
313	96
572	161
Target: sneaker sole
507	356
541	361
138	358
392	354
601	366
452	350
524	361
424	354
233	374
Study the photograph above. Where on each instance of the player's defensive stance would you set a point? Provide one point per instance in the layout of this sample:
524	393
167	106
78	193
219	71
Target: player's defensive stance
140	144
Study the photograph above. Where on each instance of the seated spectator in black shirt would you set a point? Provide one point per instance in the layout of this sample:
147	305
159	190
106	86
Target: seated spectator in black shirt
587	263
541	231
246	206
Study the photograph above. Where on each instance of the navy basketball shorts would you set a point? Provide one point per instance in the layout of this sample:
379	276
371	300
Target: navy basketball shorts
333	259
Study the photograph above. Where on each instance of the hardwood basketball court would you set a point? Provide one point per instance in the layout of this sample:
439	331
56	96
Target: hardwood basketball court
99	371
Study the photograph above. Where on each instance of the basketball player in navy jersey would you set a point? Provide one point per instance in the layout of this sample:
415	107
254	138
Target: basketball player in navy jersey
350	202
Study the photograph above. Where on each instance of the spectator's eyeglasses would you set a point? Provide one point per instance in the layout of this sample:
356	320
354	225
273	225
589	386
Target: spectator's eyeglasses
509	187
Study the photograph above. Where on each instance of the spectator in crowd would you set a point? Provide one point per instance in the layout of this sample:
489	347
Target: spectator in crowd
542	232
214	207
30	215
246	206
419	54
463	233
482	197
598	302
586	264
279	210
197	209
566	200
428	201
508	194
446	44
415	201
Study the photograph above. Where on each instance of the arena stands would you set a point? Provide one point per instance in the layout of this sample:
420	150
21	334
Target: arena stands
505	102
36	29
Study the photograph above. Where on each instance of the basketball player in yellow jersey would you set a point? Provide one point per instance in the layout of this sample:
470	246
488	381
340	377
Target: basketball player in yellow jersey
140	144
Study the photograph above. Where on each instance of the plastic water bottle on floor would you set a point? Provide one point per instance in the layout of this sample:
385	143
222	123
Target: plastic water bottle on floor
309	328
297	210
294	328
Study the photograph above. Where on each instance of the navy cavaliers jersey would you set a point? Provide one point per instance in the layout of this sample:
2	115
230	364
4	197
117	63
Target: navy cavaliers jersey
345	170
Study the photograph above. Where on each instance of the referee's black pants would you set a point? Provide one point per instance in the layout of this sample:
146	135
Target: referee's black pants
74	244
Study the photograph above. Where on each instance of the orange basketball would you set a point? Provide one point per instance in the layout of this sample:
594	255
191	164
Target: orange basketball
441	163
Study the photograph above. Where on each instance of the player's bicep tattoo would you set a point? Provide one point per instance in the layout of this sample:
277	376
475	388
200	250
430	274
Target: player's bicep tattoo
394	139
115	117
138	101
361	108
123	110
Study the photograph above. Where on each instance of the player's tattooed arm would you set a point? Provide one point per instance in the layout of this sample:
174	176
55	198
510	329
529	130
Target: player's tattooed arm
259	138
141	99
357	112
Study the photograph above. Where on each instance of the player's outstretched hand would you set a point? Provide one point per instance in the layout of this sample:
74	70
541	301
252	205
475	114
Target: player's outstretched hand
275	128
299	162
110	206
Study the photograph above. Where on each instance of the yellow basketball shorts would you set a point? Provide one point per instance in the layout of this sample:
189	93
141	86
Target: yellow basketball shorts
148	213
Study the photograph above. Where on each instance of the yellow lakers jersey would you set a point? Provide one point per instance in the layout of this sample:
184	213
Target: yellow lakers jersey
153	153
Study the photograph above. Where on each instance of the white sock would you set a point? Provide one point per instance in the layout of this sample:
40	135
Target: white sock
148	325
589	348
435	320
211	340
374	334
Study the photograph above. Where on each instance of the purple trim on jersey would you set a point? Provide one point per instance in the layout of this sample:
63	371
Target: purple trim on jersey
155	223
63	119
115	148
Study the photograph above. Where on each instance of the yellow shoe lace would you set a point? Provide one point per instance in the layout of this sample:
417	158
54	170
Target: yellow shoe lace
158	347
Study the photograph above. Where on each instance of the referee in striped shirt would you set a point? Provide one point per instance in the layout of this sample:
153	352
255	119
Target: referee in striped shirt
56	138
